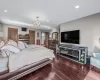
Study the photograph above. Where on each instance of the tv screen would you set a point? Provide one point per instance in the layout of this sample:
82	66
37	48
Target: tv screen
70	37
24	29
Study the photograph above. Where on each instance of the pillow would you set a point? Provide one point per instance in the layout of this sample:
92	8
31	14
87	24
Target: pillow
97	55
21	45
26	46
11	48
2	54
12	42
96	49
2	43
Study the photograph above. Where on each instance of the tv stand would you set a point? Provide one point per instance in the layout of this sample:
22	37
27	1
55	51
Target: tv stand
73	52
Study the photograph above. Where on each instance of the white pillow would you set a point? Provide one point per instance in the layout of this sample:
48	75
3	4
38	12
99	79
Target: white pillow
12	42
26	46
11	48
2	43
21	45
3	54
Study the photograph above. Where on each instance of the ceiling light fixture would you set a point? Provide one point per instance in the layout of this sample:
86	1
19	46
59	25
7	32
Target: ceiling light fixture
77	6
37	23
5	10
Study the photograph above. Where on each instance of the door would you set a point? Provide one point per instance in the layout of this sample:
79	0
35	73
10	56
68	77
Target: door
43	38
13	34
31	37
46	38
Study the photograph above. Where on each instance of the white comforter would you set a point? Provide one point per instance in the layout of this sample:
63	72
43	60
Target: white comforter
28	56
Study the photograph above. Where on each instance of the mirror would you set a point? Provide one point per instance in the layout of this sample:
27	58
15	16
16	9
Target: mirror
55	35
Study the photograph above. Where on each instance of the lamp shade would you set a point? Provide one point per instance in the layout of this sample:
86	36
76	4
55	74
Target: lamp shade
1	34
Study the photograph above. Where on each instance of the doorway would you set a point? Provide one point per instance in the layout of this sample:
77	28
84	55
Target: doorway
45	38
13	34
31	37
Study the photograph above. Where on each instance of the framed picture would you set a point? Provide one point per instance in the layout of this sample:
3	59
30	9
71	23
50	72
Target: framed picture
55	35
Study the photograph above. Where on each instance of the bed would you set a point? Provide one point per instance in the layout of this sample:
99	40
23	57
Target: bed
24	62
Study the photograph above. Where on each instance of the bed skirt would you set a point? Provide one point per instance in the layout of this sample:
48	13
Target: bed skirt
25	70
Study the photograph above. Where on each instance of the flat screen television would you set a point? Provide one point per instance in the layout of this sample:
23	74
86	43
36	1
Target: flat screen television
70	37
24	29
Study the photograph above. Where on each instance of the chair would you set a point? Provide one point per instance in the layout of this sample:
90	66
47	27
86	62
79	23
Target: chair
95	60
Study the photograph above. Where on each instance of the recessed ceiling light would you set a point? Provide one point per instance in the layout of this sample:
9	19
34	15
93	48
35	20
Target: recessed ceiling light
77	6
5	10
48	20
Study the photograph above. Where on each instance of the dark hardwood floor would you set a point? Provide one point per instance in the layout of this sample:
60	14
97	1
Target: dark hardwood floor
63	69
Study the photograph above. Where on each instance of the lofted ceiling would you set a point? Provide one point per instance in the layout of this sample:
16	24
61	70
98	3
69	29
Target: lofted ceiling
51	13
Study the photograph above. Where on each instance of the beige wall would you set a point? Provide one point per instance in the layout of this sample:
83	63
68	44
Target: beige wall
0	28
1	35
5	31
89	30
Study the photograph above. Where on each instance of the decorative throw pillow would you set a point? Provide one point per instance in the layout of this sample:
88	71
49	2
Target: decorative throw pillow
26	46
3	54
12	42
2	43
21	45
11	48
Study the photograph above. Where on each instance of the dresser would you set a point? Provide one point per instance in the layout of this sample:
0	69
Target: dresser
52	44
74	52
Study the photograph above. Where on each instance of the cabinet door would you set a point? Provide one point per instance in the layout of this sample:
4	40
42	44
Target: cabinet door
13	34
31	37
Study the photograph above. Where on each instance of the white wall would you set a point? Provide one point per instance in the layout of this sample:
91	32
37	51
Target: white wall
5	31
89	30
